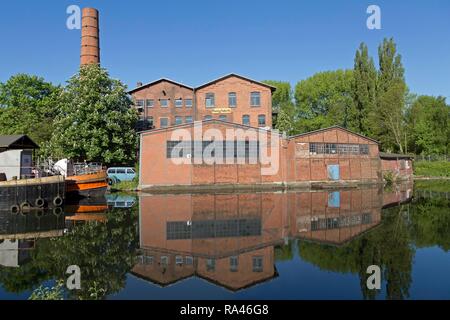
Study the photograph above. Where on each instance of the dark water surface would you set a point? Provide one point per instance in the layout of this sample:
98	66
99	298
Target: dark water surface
294	245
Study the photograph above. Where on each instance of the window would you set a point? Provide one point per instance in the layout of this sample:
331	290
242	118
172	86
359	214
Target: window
164	103
234	263
178	103
163	122
131	171
178	260
210	265
189	119
111	171
246	119
257	264
120	171
148	260
232	102
188	103
338	148
149	103
262	120
237	149
178	120
150	121
208	117
364	148
223	117
139	103
209	101
164	260
189	260
255	99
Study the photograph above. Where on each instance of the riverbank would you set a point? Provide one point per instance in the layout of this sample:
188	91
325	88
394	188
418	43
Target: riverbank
125	186
432	169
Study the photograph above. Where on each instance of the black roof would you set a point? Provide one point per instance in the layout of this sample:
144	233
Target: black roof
384	155
18	141
157	81
272	88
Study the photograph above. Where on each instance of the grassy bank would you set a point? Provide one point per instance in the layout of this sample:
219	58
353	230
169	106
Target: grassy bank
433	185
125	186
432	168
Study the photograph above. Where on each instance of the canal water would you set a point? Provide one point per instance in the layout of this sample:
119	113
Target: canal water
285	245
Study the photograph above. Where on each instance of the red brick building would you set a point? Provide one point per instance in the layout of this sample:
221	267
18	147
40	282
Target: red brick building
333	155
398	165
233	98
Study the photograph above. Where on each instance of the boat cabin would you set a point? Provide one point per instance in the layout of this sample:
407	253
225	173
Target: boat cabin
16	155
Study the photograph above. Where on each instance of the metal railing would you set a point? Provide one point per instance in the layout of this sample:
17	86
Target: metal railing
435	157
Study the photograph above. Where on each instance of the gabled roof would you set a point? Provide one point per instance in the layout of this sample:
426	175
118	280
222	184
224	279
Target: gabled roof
18	141
272	88
330	128
215	121
157	81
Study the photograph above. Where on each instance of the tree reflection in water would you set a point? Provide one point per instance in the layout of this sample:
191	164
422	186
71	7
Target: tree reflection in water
105	251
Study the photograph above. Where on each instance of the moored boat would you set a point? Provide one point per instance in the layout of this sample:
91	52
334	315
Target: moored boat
26	194
84	180
87	185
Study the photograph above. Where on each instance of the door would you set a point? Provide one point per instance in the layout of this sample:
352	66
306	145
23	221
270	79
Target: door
333	172
26	163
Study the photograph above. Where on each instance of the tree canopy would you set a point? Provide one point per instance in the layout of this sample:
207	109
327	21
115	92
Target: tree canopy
96	121
28	105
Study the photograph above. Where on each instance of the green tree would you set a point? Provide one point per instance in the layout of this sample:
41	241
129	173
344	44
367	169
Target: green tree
96	121
28	105
325	99
282	95
364	90
285	119
429	125
388	120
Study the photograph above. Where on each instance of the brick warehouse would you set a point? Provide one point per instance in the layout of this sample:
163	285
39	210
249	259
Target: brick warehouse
333	156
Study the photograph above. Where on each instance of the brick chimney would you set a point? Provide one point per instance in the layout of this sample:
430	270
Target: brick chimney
90	41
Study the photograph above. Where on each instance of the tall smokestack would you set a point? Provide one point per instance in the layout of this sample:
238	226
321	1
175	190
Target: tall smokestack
90	41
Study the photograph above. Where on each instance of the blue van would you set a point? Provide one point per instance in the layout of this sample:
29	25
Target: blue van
118	174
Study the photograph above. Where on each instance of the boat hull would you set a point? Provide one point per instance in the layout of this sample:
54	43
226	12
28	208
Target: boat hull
25	193
87	185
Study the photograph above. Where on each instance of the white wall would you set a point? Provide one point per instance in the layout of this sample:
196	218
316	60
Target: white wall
9	253
10	163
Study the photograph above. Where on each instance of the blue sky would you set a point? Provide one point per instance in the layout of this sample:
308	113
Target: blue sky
196	41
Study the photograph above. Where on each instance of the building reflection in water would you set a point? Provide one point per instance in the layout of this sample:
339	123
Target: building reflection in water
229	239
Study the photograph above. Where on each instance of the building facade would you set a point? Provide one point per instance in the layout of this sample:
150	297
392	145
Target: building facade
334	155
232	98
399	166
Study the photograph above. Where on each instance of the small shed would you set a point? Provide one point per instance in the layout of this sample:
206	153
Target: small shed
400	165
16	155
